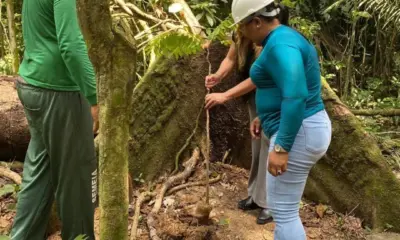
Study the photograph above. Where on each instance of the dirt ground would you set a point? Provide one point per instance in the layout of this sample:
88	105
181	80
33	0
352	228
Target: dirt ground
227	222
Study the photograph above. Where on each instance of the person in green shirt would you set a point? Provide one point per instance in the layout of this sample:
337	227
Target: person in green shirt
57	88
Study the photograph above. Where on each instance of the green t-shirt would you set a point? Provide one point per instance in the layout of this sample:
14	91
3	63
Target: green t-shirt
55	54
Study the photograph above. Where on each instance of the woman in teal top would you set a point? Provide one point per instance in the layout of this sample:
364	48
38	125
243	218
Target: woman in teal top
289	108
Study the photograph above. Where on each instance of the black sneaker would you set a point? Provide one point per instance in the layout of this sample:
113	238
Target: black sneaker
247	204
264	217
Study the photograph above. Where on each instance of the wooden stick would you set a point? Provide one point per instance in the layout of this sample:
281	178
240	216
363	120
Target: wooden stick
207	157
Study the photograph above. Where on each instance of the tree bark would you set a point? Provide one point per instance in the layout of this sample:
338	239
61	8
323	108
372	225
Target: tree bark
14	133
166	104
375	112
114	59
13	39
354	174
2	53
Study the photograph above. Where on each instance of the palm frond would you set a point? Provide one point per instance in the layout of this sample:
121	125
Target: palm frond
387	10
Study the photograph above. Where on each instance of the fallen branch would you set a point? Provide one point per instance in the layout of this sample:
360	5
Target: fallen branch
145	196
15	177
192	184
190	165
375	112
122	4
148	17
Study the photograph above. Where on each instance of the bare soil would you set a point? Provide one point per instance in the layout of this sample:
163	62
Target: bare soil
175	219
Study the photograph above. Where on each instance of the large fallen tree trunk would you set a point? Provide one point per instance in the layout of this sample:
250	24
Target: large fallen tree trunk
354	176
14	133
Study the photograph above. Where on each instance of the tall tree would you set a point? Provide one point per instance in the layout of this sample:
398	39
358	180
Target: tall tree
114	60
1	30
13	39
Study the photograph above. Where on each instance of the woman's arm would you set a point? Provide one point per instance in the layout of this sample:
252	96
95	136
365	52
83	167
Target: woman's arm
225	68
228	63
242	88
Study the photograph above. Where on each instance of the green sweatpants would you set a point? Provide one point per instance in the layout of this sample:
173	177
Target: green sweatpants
60	162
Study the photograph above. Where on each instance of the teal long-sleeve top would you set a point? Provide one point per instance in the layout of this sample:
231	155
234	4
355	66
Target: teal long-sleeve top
288	80
55	55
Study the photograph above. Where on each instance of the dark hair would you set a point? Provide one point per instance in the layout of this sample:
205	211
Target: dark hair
283	15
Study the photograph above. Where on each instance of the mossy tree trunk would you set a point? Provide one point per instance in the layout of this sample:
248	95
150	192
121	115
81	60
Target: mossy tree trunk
114	60
12	37
166	104
354	176
2	33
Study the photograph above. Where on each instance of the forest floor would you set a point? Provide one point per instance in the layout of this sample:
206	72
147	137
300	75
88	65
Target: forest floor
174	220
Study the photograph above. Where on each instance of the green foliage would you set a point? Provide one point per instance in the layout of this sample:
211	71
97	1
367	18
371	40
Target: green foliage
387	10
206	10
7	189
81	237
305	26
174	43
221	32
6	64
139	179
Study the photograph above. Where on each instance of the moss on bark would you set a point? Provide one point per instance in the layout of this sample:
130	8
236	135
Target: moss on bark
165	106
114	59
354	176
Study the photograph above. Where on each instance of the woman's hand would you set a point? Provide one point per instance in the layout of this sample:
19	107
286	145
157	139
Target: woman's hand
277	163
212	80
255	128
214	99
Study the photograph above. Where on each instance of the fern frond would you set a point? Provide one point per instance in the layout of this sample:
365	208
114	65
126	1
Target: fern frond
177	44
220	33
387	10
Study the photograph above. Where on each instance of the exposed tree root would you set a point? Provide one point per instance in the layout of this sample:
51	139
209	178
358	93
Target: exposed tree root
152	229
178	155
192	184
15	177
189	168
145	196
375	112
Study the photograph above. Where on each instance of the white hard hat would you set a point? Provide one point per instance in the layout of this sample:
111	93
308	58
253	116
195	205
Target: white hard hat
242	9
